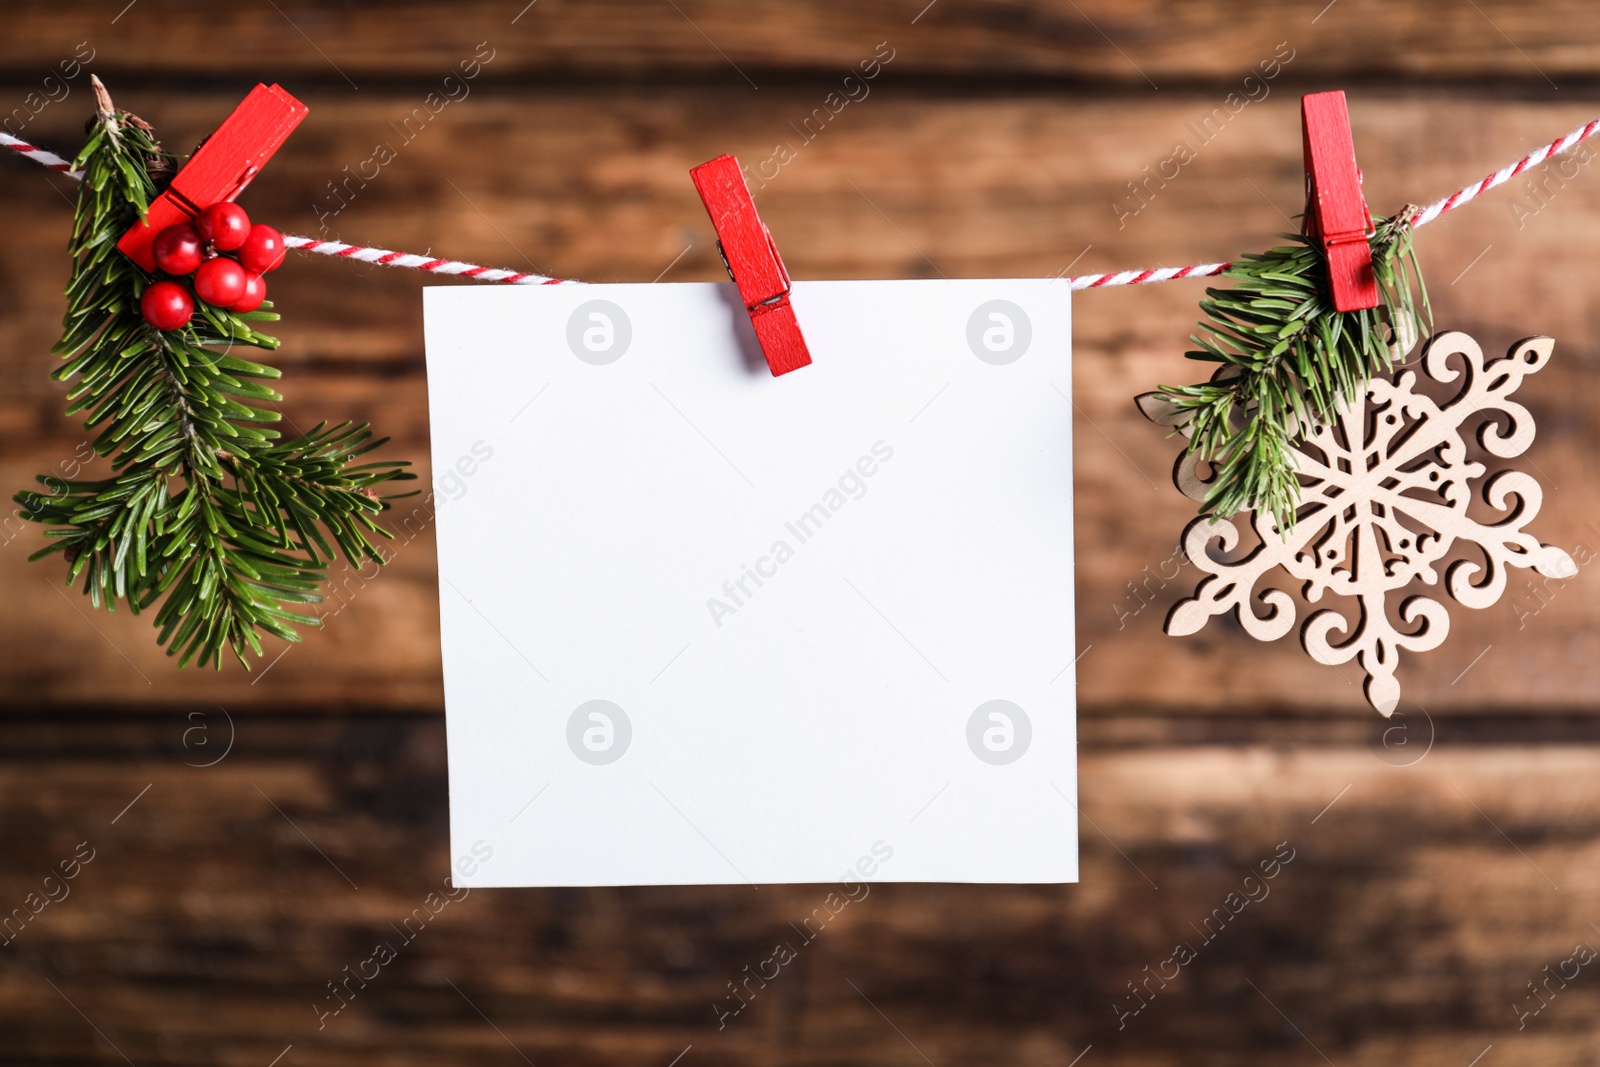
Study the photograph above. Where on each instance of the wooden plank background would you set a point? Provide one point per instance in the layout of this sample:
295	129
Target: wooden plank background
1440	865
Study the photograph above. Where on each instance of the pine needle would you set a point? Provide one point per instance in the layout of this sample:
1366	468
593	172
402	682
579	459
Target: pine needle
205	512
1287	361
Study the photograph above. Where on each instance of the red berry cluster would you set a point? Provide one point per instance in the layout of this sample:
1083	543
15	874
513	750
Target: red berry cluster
234	283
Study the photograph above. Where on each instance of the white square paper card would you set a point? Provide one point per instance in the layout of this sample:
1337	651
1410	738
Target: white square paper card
704	625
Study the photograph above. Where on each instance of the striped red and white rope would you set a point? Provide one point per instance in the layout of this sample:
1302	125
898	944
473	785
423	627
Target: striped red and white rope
1506	173
385	257
39	155
381	256
1147	277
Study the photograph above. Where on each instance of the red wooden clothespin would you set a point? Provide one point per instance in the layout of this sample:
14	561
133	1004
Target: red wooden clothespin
221	167
753	262
1336	212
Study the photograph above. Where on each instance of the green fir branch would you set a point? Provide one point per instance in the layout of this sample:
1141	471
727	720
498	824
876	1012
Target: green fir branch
1287	361
206	510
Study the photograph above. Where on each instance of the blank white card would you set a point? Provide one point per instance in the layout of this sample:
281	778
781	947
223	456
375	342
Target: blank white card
703	625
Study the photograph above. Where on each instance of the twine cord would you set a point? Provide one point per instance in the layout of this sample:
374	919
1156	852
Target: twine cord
386	258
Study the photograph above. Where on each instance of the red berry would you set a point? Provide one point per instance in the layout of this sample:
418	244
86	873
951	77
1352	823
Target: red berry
219	281
263	249
255	291
177	249
224	226
166	305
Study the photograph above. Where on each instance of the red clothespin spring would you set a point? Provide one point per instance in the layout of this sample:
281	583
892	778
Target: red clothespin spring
1336	212
221	167
753	263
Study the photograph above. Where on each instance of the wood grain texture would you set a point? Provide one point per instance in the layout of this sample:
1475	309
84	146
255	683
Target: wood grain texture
1400	924
1096	43
596	187
1003	139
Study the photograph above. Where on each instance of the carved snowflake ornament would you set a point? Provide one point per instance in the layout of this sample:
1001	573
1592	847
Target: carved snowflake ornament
1385	493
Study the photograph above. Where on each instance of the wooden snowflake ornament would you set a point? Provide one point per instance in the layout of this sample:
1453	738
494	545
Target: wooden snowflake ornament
1386	491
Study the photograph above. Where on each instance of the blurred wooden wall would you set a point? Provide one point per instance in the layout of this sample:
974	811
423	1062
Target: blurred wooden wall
1429	885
